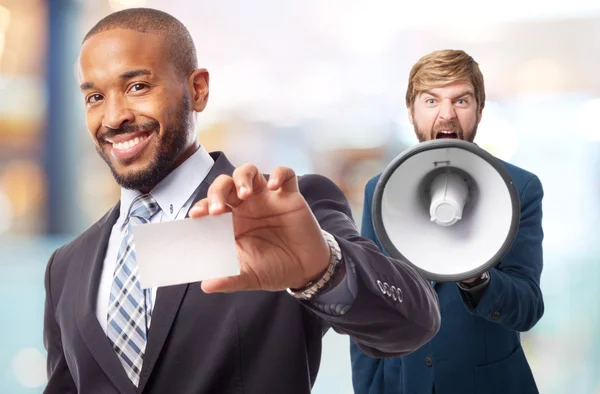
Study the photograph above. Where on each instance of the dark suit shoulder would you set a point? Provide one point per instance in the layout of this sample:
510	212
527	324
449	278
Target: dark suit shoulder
372	184
64	252
520	176
59	264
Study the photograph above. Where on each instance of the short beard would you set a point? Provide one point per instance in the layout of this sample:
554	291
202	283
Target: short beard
170	147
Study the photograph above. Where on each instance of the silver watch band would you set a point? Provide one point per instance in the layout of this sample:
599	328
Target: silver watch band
312	289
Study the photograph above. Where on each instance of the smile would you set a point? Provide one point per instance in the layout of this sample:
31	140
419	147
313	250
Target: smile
127	146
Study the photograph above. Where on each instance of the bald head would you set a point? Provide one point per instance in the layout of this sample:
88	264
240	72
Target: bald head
178	44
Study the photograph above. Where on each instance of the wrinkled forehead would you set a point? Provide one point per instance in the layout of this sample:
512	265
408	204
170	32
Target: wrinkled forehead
112	52
454	89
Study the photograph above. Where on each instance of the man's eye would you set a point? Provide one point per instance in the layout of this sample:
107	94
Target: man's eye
138	86
94	98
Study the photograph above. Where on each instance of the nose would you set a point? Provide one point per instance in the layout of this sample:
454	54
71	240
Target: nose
447	110
117	113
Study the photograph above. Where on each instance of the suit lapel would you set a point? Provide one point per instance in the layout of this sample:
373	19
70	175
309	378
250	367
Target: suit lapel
89	327
169	298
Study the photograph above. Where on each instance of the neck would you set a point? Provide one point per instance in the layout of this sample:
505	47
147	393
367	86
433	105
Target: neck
186	154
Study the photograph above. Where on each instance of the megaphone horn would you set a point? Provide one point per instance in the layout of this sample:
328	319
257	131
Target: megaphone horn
448	208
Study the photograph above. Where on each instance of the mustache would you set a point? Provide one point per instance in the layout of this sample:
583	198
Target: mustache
147	127
447	125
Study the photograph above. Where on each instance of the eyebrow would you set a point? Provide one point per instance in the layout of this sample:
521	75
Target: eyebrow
463	94
126	75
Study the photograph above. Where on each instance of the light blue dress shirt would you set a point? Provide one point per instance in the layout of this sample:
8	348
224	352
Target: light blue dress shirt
175	195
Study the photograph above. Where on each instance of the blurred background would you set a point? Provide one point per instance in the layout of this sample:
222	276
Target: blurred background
316	85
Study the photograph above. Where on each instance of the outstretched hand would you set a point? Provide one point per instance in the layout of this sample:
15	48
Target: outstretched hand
278	239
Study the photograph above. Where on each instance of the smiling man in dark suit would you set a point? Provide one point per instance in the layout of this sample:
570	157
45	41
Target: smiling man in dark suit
304	267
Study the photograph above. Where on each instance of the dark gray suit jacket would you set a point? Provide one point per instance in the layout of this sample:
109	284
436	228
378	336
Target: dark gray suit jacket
247	342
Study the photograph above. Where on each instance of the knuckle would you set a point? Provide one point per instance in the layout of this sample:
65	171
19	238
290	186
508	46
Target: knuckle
220	180
244	172
284	169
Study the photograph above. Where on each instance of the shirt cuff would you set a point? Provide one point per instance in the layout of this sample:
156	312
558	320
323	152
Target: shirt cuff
473	295
338	300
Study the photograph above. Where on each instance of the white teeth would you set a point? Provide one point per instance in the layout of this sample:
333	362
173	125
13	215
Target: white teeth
128	144
446	132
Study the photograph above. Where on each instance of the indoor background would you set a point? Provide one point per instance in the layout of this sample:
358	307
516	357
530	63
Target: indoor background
316	85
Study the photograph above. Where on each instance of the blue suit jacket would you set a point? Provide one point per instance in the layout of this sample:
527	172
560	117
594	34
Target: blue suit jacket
477	350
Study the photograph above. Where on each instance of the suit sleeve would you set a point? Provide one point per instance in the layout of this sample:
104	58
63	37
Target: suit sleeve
59	376
513	297
396	311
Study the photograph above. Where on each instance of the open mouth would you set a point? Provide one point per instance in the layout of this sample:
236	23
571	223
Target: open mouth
446	134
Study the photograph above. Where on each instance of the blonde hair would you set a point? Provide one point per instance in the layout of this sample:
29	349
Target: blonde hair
441	68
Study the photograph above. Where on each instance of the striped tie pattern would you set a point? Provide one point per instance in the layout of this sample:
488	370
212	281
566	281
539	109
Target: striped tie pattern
130	307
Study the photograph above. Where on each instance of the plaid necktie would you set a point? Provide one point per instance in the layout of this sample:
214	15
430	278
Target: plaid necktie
129	307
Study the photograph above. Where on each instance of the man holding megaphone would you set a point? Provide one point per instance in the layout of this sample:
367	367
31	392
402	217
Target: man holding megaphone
472	225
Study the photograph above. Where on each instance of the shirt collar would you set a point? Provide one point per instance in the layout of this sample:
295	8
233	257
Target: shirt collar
176	188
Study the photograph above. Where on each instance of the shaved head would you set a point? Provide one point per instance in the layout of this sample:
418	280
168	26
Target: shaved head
178	44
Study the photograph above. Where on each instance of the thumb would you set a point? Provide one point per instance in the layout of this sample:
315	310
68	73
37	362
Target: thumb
227	284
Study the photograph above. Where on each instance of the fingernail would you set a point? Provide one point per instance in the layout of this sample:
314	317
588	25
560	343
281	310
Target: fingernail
214	206
243	190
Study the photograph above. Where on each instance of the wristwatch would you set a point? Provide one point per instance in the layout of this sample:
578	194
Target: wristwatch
324	283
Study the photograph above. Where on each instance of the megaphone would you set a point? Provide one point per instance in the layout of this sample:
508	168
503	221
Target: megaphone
448	208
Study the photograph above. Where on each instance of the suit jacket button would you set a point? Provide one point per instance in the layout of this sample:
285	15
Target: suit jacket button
495	315
428	361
